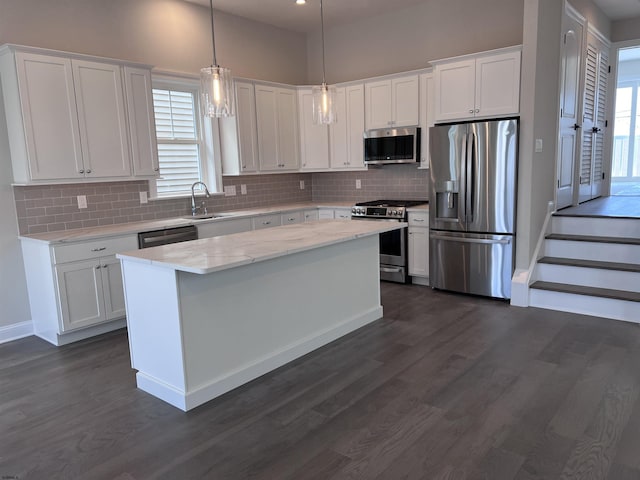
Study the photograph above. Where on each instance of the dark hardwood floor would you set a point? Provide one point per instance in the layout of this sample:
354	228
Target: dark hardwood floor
444	387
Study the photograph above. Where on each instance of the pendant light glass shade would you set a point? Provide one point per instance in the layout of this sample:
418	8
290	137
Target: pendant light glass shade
216	86
324	98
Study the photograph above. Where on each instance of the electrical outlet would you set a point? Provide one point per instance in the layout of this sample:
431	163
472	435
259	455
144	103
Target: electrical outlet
301	184
243	189
82	201
143	197
358	184
230	191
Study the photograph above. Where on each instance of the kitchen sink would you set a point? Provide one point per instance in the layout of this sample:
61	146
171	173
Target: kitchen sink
205	216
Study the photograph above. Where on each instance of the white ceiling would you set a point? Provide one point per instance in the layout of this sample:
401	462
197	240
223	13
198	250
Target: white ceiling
305	18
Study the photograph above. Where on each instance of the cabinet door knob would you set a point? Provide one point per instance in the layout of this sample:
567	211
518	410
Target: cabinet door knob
99	249
156	169
471	111
477	110
88	170
105	266
80	171
98	267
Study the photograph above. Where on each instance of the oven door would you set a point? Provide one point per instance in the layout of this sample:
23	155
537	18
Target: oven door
393	245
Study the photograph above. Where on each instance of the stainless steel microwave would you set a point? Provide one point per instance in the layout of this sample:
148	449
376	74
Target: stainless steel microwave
392	145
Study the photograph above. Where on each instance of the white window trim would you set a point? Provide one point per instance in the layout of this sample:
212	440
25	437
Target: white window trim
209	132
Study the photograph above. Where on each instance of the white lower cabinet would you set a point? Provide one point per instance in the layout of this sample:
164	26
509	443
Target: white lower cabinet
419	247
223	227
267	221
342	213
75	289
292	217
311	215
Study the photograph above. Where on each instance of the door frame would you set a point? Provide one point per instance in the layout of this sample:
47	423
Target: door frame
611	106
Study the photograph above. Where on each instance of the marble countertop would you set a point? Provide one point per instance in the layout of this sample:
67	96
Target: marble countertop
210	255
82	234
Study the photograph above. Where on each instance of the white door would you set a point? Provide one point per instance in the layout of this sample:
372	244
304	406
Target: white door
455	90
569	115
601	122
355	125
314	139
102	119
378	108
498	85
287	105
588	121
113	288
142	125
246	126
406	101
81	297
50	120
267	124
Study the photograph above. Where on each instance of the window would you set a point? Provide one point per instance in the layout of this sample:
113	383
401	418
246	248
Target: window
185	140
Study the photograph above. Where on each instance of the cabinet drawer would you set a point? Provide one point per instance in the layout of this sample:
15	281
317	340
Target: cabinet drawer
223	227
266	221
93	249
311	215
419	219
292	217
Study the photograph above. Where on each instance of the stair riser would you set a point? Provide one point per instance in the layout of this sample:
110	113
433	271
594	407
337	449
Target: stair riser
589	277
606	252
611	227
595	306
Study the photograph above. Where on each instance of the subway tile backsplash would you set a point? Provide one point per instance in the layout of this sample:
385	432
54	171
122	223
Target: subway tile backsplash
48	208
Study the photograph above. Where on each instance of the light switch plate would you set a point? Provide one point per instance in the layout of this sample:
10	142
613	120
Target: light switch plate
230	191
358	184
538	145
143	197
82	201
243	189
301	184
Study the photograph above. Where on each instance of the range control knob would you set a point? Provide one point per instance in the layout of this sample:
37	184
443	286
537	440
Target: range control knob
354	210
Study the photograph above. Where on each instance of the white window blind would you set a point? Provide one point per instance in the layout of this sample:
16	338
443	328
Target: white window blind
179	141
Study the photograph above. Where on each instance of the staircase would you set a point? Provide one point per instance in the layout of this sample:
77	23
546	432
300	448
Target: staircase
590	265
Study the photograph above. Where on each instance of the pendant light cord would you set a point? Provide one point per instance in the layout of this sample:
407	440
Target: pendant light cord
322	29
213	38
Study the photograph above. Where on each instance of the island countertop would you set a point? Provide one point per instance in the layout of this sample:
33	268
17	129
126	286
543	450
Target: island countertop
210	255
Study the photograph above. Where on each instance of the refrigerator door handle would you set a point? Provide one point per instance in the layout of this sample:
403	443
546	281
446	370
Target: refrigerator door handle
485	241
462	211
469	190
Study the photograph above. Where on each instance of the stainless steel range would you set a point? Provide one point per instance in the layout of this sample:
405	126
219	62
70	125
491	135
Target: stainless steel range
393	245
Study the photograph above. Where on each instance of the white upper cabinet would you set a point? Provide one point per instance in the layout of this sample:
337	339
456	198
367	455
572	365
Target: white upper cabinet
277	123
392	102
102	120
42	120
72	117
427	117
314	139
239	134
484	85
346	135
142	125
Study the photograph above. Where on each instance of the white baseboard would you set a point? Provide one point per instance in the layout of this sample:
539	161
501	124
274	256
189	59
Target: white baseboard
16	331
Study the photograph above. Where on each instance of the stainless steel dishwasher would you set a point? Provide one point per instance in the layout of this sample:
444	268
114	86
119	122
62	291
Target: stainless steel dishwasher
166	236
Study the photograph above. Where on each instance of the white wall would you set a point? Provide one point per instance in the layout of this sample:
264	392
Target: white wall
539	119
625	30
594	15
169	34
407	39
14	302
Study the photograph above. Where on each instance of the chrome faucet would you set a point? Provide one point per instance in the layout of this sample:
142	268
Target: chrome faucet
194	209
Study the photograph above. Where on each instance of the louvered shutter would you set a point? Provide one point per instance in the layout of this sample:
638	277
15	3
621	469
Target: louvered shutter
178	141
588	113
603	80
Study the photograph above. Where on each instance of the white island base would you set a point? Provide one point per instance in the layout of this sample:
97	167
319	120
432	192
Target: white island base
195	336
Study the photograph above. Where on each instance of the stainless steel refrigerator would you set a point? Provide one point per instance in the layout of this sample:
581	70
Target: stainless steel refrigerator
472	214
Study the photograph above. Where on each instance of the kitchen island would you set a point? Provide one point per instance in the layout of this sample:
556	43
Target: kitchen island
207	316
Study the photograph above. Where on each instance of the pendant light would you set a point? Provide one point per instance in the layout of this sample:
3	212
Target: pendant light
324	95
216	85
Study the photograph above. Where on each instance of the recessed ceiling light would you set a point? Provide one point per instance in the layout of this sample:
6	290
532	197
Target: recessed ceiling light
301	2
